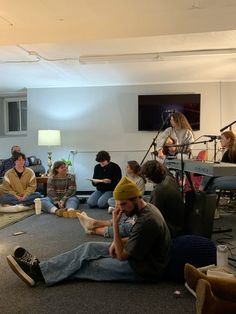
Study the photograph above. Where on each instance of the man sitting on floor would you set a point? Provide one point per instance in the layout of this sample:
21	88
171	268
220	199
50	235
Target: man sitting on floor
142	256
166	197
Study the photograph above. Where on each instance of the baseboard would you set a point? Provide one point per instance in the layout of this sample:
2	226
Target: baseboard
83	196
84	192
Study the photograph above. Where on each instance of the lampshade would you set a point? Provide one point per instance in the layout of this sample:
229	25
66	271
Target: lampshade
49	137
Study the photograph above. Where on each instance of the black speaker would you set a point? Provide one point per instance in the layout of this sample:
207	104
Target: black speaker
199	213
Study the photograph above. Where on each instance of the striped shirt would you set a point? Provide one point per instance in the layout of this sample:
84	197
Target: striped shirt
61	188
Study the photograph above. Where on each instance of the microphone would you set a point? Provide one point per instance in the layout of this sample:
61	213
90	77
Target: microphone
213	137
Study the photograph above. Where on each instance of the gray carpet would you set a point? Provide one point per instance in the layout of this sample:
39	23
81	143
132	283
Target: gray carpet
47	235
11	218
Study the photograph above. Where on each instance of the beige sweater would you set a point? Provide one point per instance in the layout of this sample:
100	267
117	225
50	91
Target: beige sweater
23	186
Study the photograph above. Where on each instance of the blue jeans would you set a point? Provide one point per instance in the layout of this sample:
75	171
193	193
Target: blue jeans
219	183
91	261
47	203
125	226
112	202
12	200
124	230
99	199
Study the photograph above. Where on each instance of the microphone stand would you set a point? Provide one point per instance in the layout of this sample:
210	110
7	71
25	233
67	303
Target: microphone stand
214	159
182	169
182	146
228	126
154	141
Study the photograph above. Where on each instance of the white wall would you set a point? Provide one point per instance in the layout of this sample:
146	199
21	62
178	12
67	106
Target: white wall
106	118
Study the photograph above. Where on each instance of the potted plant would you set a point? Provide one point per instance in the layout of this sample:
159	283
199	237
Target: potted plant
67	162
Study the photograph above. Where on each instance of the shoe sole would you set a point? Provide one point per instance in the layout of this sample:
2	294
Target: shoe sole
19	272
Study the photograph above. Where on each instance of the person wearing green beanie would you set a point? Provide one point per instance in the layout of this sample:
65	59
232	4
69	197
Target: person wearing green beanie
143	256
126	189
104	227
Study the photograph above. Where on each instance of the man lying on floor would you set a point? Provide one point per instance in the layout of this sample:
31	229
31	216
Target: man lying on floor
142	256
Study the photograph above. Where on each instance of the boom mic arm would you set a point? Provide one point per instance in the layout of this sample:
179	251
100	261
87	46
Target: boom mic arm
214	137
227	126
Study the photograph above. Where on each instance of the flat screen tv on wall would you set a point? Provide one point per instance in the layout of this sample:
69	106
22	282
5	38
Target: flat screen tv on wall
154	110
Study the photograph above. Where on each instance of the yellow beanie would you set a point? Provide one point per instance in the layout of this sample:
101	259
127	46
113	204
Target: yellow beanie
126	189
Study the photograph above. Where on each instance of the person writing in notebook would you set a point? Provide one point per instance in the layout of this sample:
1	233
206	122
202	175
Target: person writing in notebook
105	178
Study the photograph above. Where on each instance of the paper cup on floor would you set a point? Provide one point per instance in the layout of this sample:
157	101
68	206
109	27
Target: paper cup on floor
37	203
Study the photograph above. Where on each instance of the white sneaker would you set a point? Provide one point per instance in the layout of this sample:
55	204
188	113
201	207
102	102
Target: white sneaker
110	209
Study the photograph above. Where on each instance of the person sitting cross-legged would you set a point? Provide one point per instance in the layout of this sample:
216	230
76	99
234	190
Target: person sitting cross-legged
141	257
61	192
19	185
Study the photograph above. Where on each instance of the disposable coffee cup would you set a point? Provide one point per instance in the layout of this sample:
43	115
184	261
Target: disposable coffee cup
222	255
37	205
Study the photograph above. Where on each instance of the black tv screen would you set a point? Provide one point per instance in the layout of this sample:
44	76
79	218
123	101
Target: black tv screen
154	110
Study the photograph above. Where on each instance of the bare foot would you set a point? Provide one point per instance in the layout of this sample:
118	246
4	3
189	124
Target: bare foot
86	222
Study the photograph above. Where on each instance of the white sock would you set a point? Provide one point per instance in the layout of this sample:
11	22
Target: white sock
53	209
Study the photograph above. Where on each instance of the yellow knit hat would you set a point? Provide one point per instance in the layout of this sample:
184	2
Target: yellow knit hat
126	189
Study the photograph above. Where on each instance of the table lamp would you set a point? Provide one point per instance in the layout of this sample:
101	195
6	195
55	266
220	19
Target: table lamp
49	138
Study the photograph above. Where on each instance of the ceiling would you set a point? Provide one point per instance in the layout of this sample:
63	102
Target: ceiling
42	41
